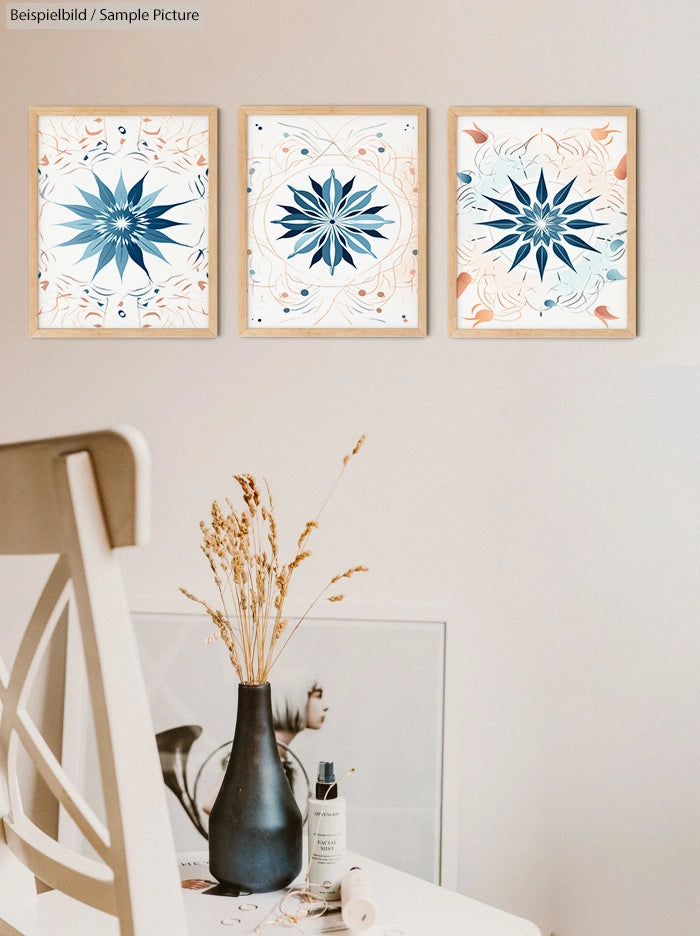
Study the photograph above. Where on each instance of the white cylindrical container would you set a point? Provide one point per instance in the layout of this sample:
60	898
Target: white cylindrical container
327	831
358	908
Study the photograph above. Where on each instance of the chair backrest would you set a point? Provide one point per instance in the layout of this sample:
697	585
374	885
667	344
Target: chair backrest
80	497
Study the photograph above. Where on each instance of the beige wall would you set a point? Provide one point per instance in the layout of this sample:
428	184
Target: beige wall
544	490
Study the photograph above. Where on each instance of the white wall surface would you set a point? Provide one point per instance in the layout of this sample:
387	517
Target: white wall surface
545	489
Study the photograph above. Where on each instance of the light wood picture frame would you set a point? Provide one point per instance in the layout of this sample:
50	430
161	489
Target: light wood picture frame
542	238
332	221
123	222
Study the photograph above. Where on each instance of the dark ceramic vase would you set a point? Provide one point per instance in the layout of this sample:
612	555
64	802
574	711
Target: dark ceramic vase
255	827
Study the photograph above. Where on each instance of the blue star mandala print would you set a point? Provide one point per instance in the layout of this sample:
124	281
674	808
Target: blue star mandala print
332	222
120	225
539	224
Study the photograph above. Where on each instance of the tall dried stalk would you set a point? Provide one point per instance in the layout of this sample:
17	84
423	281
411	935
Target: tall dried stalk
241	546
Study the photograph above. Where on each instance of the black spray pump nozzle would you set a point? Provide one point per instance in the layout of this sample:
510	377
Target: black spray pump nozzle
326	785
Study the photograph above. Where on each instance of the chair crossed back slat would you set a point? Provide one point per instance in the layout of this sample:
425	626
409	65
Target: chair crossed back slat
80	496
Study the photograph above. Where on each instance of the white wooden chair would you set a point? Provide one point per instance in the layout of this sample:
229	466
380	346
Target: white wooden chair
80	497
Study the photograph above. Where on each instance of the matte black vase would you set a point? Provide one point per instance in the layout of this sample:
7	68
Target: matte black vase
255	827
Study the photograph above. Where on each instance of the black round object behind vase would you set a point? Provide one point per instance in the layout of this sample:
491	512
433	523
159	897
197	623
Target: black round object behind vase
255	827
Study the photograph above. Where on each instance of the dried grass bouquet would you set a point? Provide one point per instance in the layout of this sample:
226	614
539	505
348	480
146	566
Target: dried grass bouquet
242	549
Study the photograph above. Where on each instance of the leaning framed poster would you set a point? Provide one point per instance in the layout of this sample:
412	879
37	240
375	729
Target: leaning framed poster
332	221
542	222
122	222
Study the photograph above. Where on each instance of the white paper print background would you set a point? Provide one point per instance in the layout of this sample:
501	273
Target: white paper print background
528	296
178	286
388	280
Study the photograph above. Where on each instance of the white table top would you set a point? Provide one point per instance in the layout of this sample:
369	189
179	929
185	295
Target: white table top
407	906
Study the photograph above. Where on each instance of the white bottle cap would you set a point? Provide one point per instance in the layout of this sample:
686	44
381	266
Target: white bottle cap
357	901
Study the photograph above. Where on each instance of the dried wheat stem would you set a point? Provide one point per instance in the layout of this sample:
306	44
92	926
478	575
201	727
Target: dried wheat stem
242	549
318	597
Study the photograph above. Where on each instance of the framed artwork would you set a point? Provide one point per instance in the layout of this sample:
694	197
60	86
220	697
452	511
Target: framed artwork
375	720
332	221
542	222
122	222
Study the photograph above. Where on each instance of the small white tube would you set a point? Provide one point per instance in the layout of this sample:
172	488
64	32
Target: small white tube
357	904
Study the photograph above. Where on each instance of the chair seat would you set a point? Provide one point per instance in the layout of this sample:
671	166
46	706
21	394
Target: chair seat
59	915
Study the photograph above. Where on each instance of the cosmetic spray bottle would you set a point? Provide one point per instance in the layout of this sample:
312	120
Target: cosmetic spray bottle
327	830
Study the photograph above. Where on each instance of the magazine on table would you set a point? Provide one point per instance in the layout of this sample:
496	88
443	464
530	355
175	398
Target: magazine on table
253	909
